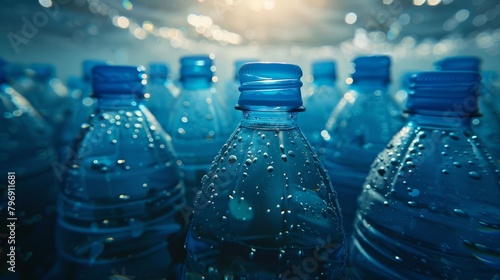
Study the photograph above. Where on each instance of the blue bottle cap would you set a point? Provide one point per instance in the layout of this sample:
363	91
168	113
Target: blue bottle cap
42	71
196	66
324	68
237	66
270	86
158	70
459	63
87	66
111	81
453	93
375	67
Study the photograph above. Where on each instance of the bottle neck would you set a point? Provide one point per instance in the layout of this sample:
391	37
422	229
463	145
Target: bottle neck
268	120
443	121
370	83
324	81
120	102
194	83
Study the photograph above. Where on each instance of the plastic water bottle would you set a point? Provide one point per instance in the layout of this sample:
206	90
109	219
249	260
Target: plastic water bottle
160	89
487	126
320	100
429	208
200	121
122	190
50	95
358	129
231	93
267	209
28	191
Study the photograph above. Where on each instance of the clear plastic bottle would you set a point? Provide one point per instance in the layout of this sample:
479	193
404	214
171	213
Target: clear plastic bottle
322	97
358	129
29	191
267	209
200	121
160	89
122	191
430	207
487	125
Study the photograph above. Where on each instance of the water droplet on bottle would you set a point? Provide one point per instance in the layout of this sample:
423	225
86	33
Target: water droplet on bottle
232	159
457	164
474	175
459	212
381	171
412	203
270	169
445	171
291	153
284	158
454	136
124	196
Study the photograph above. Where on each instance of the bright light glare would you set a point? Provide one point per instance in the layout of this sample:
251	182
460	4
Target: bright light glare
418	2
148	26
433	2
122	22
45	3
351	18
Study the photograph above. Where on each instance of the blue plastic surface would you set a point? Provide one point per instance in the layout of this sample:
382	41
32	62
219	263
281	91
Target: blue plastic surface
429	207
266	209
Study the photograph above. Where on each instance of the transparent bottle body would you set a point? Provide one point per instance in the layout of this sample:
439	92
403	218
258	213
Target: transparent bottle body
319	104
120	197
429	208
360	126
266	209
161	100
27	160
199	125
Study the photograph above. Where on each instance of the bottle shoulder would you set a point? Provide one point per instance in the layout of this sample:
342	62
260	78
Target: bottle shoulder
267	177
436	163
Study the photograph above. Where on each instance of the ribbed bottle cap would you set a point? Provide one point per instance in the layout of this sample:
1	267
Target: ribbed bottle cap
87	66
270	85
375	67
158	70
459	63
111	81
42	71
324	68
196	66
453	92
237	66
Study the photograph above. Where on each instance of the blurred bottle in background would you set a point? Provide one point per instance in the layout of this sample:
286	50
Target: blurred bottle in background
230	93
320	99
50	97
200	121
161	91
358	129
29	190
487	125
122	191
267	209
429	208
